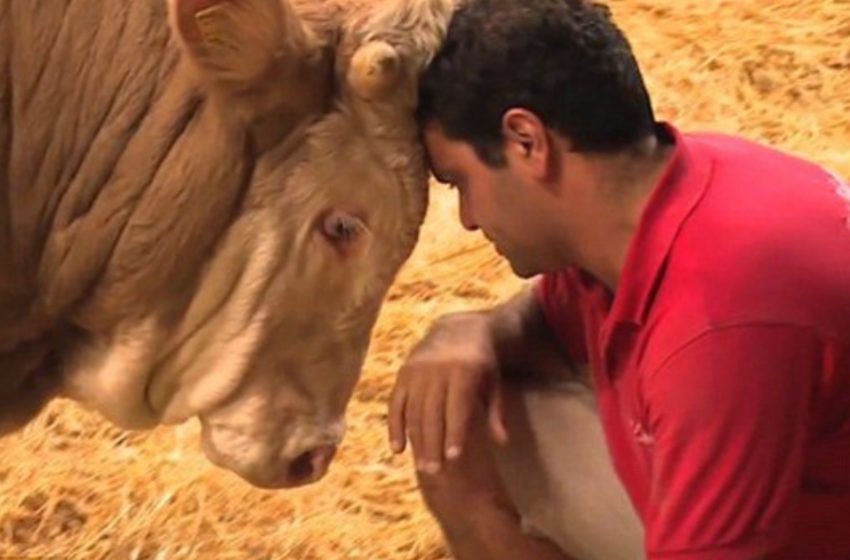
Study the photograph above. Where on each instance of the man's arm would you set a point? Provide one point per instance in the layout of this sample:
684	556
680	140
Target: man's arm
463	361
527	347
496	535
478	519
447	394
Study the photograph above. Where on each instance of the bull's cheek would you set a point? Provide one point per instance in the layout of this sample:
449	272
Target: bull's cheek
229	448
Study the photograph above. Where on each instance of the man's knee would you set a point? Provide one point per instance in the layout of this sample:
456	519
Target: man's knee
471	478
457	500
440	492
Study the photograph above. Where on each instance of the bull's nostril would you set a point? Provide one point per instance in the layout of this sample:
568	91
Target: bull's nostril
311	464
302	467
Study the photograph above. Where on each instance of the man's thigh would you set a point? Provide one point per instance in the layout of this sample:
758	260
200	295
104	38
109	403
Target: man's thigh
558	472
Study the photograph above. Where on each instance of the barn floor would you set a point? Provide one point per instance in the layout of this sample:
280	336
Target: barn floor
73	487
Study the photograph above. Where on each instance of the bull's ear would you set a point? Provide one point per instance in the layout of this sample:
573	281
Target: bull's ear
263	56
240	43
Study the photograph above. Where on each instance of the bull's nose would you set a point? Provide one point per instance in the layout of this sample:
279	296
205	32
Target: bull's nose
311	465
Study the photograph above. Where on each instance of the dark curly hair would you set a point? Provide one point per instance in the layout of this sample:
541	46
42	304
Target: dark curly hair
565	60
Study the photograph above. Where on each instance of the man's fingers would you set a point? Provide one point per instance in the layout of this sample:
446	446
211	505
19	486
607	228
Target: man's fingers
430	456
396	417
496	413
413	413
460	408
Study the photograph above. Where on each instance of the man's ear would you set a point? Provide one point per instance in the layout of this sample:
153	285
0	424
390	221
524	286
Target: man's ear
260	50
527	141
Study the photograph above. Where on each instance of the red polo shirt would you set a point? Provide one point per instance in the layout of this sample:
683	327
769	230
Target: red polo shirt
722	364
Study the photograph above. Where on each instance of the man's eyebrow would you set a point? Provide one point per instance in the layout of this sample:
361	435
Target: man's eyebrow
438	172
440	175
445	175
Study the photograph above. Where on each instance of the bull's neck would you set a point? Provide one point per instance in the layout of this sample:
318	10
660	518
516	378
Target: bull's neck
72	109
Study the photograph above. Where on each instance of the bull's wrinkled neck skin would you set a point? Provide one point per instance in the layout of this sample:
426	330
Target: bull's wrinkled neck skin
122	165
86	140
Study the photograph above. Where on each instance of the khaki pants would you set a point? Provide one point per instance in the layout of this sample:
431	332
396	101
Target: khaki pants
558	472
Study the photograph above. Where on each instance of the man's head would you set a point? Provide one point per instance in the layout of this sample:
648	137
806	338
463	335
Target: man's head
516	84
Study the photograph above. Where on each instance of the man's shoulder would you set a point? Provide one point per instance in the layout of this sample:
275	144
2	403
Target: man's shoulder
779	256
764	206
740	157
769	240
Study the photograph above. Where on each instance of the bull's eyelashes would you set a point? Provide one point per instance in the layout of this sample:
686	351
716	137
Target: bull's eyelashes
344	229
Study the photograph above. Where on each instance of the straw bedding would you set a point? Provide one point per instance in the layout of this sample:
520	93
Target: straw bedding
73	487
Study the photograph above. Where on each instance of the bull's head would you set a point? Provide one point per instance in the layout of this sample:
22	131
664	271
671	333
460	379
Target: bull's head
268	342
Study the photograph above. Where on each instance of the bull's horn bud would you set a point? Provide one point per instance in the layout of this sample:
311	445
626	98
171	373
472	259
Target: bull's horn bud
375	70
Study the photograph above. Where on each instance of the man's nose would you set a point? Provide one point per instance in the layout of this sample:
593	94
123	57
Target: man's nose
466	217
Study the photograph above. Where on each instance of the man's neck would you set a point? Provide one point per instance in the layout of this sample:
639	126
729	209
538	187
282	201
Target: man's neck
622	186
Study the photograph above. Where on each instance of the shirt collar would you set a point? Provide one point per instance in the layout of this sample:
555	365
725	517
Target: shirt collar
678	192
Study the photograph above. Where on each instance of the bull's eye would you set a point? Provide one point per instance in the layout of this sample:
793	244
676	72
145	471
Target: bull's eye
342	227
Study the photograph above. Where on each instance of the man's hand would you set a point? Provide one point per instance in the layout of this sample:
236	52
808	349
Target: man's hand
448	376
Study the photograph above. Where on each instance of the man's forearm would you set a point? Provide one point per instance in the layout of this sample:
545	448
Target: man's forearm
526	346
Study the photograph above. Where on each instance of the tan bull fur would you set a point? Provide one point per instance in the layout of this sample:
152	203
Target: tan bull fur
203	205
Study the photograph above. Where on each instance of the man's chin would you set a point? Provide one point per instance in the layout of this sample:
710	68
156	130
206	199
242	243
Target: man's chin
522	269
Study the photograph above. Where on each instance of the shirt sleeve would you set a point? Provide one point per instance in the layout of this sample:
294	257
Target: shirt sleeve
558	296
729	414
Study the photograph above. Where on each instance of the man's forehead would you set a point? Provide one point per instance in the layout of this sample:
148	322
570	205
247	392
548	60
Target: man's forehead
434	134
438	150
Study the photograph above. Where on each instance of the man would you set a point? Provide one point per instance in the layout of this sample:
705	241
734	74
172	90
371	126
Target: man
704	280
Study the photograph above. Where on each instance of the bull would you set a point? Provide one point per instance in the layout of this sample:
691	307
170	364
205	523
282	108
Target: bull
202	206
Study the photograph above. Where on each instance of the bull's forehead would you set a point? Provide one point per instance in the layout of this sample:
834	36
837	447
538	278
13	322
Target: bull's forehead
336	170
